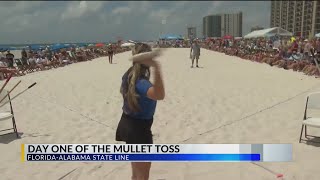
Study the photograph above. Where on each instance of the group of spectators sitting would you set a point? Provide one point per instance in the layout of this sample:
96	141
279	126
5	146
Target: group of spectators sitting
296	54
44	59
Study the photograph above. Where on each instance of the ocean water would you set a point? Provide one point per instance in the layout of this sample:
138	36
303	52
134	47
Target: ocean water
11	47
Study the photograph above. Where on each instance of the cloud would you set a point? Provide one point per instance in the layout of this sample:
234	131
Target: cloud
160	14
65	21
79	9
121	10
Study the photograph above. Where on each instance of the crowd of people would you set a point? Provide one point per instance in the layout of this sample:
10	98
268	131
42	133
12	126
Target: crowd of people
43	59
289	53
173	43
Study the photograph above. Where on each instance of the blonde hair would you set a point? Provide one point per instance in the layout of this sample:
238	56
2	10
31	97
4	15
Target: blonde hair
137	71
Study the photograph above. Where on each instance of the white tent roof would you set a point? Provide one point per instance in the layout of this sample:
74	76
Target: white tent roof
127	44
318	35
268	32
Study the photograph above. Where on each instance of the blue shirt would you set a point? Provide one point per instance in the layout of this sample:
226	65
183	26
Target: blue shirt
147	106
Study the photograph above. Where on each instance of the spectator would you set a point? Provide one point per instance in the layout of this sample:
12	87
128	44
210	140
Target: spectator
10	59
307	50
24	57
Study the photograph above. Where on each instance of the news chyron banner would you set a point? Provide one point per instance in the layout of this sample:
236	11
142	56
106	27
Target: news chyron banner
158	152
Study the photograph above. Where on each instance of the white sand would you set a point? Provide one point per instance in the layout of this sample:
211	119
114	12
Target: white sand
200	100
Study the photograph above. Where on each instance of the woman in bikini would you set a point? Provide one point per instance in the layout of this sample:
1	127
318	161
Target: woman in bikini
140	98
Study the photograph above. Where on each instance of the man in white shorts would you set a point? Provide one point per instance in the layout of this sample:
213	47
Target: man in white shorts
195	52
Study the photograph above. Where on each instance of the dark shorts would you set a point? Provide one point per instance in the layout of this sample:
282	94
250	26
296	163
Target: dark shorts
134	131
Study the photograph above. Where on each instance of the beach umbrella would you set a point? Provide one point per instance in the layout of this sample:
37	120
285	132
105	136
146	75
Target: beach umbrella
100	45
82	44
227	37
59	46
36	47
171	37
317	35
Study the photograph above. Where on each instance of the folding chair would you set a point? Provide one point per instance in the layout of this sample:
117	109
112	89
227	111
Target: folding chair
312	102
19	64
6	115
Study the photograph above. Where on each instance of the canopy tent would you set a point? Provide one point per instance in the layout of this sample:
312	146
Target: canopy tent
131	41
317	35
268	33
127	44
171	37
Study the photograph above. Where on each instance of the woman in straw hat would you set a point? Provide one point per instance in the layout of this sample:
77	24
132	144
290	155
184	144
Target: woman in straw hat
140	98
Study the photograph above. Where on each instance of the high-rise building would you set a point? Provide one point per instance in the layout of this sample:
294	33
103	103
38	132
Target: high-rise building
192	32
211	26
302	18
222	24
231	24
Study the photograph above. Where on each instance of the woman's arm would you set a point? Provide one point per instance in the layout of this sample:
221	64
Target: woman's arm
156	92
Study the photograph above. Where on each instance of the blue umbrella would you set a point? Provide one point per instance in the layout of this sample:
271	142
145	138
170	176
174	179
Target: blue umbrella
36	47
59	46
81	44
171	37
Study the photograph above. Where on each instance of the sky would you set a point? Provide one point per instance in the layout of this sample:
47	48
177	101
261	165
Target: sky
24	22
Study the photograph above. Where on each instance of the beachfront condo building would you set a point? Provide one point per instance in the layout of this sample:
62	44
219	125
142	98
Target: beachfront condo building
192	32
302	18
211	26
231	24
220	25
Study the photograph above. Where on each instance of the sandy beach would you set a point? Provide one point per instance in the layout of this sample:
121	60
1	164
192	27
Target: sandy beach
226	100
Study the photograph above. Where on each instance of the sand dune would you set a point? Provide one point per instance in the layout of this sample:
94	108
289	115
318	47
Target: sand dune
227	100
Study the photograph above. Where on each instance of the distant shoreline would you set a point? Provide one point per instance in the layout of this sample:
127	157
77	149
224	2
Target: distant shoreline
43	44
